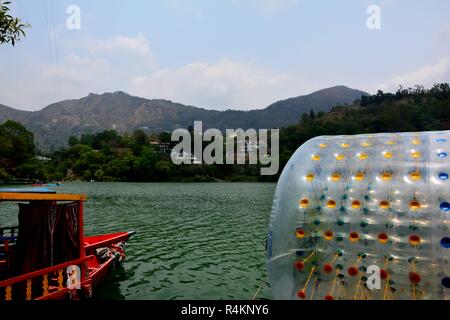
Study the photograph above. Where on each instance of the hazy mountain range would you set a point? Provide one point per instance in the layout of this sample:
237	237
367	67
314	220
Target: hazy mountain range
53	125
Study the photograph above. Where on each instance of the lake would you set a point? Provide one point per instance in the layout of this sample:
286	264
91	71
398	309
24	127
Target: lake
193	240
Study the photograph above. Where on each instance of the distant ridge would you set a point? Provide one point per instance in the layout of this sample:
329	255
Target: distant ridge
54	124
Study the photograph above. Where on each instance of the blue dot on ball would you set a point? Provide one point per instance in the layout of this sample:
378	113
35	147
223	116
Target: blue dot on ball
446	282
443	176
442	155
445	206
445	242
441	140
300	253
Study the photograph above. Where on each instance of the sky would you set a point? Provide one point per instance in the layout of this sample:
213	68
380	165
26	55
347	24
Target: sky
222	54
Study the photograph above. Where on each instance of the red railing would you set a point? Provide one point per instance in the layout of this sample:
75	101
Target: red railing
7	285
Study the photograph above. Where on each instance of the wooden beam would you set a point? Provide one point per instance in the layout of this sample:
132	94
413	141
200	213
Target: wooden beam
6	196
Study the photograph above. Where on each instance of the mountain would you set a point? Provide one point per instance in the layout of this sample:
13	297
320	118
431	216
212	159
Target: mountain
54	124
13	114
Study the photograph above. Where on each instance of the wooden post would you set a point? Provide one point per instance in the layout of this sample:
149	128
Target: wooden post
83	266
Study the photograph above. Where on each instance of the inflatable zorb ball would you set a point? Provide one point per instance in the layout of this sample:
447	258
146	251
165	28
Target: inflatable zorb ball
363	217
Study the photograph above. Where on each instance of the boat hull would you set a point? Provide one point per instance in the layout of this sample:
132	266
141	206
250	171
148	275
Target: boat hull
109	252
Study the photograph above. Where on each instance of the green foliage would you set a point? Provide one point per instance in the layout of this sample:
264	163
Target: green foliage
73	141
11	28
16	147
108	156
412	109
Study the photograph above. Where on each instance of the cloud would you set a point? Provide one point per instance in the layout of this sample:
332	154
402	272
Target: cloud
127	63
220	85
426	76
138	46
98	66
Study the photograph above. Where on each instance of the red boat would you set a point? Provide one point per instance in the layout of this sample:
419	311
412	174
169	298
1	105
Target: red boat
48	257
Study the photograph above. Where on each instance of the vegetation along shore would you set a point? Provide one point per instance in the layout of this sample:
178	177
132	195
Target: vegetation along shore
142	156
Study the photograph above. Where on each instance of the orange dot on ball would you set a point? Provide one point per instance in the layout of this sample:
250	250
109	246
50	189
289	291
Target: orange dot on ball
328	235
414	277
382	238
327	268
301	294
329	297
299	265
300	233
414	240
352	271
354	236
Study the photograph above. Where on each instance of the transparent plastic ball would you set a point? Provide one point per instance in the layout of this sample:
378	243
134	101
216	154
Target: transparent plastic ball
363	217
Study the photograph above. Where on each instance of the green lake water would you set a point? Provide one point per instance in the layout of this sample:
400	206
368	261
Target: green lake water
193	240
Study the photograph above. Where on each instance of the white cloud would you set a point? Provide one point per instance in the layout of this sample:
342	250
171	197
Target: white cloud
221	85
122	63
426	76
99	66
138	45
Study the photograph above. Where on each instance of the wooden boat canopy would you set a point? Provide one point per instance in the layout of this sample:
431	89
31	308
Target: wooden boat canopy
37	194
33	266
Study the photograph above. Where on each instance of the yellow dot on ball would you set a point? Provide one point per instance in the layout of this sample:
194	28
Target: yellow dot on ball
354	236
383	238
388	155
340	157
384	204
414	240
415	154
304	203
391	142
414	205
328	235
300	233
366	144
363	156
310	176
335	176
345	145
331	204
359	176
386	176
416	141
356	204
415	175
315	157
323	145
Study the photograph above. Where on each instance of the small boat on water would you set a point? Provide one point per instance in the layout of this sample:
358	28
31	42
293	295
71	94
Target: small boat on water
57	184
47	256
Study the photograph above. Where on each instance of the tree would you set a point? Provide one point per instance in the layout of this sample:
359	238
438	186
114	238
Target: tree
16	145
11	28
73	141
140	138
